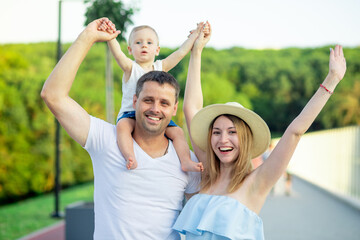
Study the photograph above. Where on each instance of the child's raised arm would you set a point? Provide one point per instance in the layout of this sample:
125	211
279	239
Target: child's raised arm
173	59
122	60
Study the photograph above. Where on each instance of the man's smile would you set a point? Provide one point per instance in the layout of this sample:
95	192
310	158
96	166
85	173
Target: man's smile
154	118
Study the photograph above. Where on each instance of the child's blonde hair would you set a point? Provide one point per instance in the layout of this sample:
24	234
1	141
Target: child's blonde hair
141	27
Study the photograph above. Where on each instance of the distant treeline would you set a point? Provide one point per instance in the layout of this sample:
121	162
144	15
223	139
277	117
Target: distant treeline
274	83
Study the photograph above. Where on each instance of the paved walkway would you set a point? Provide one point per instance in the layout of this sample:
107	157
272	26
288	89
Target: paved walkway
53	232
307	214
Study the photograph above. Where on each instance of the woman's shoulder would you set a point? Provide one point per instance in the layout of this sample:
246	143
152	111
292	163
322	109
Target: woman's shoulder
203	212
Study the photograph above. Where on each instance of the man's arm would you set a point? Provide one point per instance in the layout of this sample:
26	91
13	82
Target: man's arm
74	119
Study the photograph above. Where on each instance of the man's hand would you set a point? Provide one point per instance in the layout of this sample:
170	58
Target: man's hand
93	33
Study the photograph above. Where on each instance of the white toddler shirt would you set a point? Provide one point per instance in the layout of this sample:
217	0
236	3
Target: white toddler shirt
129	87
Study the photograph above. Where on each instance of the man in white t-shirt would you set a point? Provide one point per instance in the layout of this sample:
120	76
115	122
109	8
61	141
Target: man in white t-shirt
138	204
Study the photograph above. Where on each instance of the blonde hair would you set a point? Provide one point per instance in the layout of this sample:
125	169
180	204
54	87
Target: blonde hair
241	166
141	27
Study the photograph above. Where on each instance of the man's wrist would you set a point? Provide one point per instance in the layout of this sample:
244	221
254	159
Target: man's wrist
86	37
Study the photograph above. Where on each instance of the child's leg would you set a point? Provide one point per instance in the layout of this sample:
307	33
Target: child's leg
124	128
176	134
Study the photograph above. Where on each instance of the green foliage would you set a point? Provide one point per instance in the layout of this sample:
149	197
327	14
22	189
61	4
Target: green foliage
274	83
27	126
284	80
112	9
17	219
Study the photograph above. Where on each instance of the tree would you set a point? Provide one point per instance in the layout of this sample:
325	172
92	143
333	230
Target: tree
121	17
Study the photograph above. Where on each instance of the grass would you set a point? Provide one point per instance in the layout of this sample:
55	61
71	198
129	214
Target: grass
22	218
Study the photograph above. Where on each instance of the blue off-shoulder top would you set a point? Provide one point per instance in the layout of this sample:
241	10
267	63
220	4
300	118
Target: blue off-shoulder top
216	217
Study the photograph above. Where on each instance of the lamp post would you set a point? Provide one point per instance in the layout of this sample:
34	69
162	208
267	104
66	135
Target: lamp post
57	187
109	87
109	112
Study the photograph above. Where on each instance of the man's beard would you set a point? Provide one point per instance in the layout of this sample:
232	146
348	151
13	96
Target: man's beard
153	129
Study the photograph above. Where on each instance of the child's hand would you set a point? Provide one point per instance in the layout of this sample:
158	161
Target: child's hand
203	39
195	32
107	26
103	27
202	27
94	31
206	29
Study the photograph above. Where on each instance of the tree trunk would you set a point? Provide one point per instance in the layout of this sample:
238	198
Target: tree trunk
109	88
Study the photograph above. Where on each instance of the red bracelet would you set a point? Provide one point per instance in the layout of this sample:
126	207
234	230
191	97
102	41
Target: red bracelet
331	92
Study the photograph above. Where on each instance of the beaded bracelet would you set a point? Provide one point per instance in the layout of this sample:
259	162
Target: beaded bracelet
331	92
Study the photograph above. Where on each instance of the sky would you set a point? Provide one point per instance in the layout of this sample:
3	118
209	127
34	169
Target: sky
254	24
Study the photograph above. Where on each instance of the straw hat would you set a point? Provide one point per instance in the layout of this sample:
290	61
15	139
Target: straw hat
201	122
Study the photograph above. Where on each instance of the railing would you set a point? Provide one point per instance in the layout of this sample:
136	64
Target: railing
330	159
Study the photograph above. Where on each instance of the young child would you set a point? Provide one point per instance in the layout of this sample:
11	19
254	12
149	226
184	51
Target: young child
143	44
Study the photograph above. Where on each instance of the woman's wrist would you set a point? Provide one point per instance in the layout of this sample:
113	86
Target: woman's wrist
326	89
330	83
196	51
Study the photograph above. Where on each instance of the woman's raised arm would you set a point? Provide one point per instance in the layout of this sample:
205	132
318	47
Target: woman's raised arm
269	172
193	99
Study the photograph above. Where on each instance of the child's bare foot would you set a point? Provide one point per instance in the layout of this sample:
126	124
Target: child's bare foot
131	163
190	166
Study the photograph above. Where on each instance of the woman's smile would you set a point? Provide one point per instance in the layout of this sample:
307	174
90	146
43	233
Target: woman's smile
224	140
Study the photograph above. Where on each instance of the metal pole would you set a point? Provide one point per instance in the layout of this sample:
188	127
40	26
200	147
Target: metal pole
57	186
109	87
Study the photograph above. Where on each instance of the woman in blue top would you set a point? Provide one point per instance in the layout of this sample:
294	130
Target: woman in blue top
225	137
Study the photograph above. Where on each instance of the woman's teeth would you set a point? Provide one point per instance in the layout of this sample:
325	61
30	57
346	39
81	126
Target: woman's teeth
225	149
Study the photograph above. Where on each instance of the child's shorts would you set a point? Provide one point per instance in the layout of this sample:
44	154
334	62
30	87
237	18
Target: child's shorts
131	114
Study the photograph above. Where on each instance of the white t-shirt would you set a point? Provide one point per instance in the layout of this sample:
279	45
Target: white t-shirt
142	203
